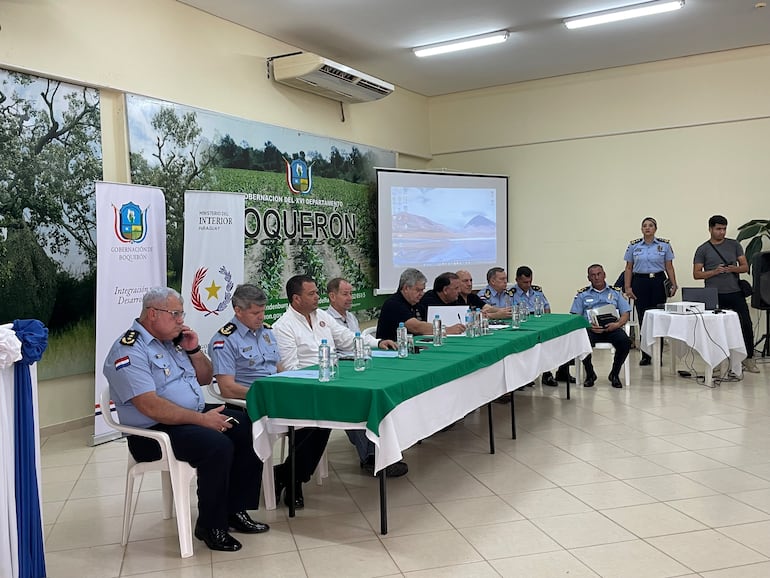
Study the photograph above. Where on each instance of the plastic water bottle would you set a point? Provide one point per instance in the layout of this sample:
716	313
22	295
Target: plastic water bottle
403	345
437	334
324	361
359	358
470	331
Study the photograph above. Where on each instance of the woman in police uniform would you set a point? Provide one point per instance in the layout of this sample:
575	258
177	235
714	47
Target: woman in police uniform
648	260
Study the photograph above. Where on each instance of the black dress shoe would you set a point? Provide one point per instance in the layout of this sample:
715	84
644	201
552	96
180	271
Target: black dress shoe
565	377
549	380
217	539
278	483
614	380
299	499
392	471
590	379
645	360
242	522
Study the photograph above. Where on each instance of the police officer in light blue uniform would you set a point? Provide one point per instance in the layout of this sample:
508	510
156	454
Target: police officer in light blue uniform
596	295
496	293
648	260
526	292
245	348
155	371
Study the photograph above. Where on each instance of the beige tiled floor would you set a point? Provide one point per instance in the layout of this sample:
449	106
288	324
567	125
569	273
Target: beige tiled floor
667	479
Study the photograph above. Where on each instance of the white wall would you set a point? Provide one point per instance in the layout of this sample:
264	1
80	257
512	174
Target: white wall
590	155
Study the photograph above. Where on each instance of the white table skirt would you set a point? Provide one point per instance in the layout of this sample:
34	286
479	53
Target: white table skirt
715	336
427	413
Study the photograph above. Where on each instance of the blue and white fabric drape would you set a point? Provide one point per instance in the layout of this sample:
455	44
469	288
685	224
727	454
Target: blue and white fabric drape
21	534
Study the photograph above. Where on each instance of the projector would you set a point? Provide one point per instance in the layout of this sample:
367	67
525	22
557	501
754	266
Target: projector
685	307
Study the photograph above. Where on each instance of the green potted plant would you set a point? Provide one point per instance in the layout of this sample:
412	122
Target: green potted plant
756	230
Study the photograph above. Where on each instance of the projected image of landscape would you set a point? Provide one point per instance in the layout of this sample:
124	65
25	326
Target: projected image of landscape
442	226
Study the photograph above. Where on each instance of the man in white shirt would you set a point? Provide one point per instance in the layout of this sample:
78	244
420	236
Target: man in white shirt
301	328
340	301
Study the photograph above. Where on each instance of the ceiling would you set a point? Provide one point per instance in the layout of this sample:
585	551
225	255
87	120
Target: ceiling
376	36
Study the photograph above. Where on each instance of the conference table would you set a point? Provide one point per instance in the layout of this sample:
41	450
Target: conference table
399	402
715	336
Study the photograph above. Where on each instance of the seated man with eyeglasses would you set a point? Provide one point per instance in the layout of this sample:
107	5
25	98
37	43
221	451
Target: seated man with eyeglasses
155	371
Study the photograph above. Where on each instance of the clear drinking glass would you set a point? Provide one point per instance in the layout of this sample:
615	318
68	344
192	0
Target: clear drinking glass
334	367
523	312
538	303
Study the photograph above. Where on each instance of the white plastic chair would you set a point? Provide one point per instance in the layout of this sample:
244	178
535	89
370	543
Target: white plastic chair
370	331
626	366
268	481
176	477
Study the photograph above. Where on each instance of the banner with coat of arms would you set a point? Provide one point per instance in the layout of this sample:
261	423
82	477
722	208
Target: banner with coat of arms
213	259
131	258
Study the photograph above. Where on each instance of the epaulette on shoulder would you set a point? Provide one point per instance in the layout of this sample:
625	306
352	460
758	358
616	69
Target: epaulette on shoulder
635	241
129	337
586	288
537	288
663	240
228	329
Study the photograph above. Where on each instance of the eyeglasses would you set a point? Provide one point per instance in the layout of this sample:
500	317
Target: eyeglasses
174	314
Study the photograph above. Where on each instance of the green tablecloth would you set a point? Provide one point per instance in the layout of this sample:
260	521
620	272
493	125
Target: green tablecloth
368	396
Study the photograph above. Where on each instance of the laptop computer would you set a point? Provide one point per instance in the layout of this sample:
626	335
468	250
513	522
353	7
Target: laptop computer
449	314
706	295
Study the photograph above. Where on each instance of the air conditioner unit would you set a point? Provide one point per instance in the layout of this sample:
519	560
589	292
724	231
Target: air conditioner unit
327	78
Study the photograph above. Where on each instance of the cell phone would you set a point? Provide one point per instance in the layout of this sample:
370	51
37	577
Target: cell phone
231	419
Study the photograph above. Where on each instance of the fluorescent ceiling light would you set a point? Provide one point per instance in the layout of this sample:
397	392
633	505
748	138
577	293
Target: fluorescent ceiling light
461	44
634	11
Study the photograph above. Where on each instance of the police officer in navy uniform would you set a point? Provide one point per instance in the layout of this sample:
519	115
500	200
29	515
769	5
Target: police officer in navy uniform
648	260
596	295
155	371
246	349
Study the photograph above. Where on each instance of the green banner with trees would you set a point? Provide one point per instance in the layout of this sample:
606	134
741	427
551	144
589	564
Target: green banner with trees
311	202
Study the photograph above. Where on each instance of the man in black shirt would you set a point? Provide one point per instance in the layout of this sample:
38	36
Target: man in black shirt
446	288
403	307
472	300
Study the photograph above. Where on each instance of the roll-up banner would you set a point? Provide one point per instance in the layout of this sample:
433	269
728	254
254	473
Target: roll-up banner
213	259
131	258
